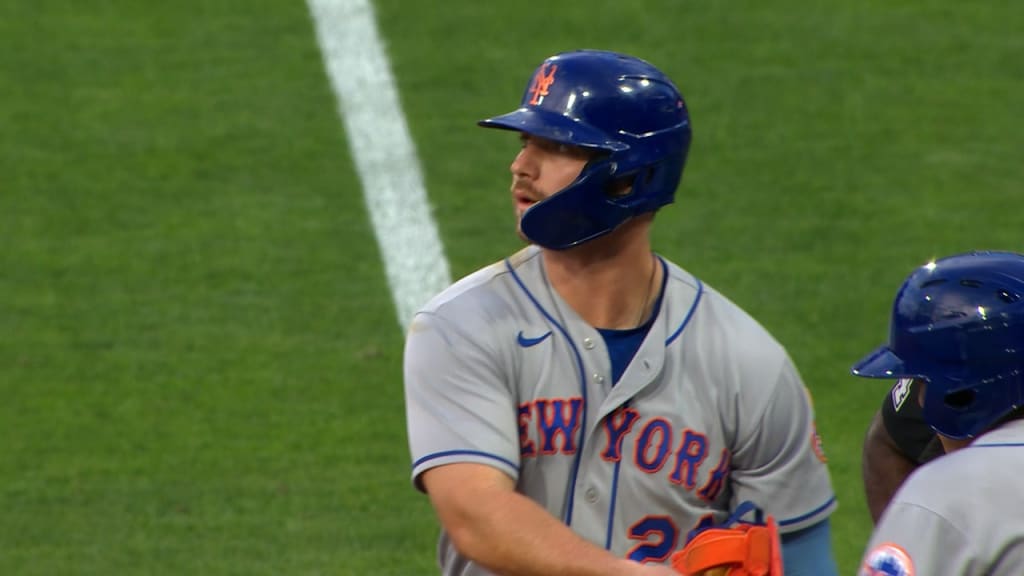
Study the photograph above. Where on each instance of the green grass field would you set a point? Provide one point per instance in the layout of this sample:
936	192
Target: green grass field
199	357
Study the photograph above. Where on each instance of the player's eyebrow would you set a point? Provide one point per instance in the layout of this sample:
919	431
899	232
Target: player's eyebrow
554	145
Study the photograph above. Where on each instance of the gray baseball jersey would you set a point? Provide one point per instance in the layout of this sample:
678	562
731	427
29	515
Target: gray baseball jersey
962	514
499	370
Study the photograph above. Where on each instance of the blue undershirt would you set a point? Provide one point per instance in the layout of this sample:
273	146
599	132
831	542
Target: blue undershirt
623	344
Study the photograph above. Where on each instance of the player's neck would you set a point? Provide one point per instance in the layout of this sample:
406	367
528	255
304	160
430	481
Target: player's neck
952	445
610	282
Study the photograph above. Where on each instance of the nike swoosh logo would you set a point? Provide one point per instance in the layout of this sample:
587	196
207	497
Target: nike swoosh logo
527	342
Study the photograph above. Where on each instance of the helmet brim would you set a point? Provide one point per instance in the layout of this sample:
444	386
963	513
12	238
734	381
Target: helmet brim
880	363
555	127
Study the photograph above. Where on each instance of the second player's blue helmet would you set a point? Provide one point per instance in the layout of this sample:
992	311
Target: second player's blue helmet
958	324
624	109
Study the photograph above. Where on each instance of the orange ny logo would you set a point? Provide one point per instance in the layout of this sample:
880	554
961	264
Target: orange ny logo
541	82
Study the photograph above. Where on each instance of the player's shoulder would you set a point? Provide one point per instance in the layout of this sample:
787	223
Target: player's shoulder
985	464
484	293
929	486
716	315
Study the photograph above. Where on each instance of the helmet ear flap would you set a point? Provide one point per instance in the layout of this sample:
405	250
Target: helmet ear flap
621	187
658	176
960	399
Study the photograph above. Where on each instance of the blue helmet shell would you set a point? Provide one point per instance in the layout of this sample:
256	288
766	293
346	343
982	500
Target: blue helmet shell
958	324
624	109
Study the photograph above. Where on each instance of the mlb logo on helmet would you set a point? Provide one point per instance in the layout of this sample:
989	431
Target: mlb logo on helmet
888	560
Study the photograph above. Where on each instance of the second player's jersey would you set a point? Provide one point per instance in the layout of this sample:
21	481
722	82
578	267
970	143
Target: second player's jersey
710	412
962	513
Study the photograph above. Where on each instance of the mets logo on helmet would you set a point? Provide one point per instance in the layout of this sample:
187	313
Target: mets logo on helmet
542	81
887	559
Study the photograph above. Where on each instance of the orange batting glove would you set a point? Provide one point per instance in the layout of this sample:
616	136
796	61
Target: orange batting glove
743	549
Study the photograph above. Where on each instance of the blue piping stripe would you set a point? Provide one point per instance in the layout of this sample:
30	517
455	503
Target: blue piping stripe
436	455
583	391
693	308
814	512
611	507
1006	445
614	498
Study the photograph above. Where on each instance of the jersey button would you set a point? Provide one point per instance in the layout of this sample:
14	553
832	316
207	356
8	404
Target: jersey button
590	495
598	378
588	343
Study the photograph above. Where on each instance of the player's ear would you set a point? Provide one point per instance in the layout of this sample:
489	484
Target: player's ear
619	187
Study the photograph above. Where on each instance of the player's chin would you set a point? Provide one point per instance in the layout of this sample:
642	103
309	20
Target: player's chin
519	232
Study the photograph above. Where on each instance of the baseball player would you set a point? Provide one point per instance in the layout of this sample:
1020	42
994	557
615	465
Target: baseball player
957	330
581	406
897	441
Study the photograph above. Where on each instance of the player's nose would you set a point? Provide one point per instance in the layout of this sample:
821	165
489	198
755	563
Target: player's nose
524	165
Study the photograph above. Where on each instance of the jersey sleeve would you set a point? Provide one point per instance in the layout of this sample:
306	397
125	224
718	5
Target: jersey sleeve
901	415
778	462
911	539
459	407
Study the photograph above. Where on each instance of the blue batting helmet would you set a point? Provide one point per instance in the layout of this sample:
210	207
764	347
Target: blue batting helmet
624	109
958	324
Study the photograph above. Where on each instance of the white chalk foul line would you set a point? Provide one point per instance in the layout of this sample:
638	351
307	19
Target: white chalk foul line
384	154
